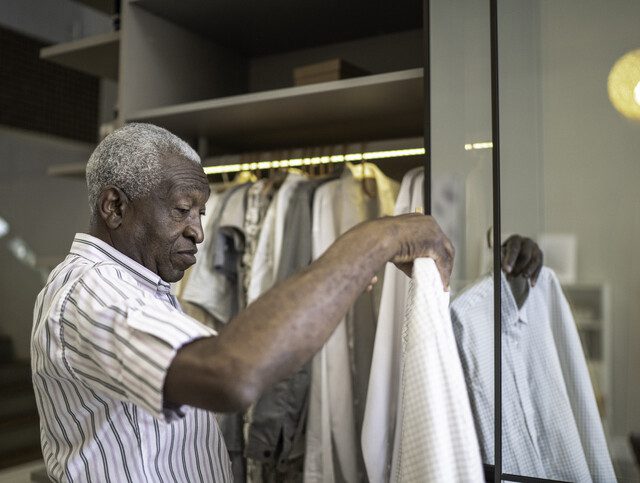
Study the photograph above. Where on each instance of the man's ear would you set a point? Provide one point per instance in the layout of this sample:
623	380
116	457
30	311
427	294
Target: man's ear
112	204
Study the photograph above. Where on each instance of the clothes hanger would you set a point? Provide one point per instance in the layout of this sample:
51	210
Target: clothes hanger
364	179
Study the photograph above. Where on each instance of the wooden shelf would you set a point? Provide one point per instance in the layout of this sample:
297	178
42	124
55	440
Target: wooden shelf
381	106
97	55
68	170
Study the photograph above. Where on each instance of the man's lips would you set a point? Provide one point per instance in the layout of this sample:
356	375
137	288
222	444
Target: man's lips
189	256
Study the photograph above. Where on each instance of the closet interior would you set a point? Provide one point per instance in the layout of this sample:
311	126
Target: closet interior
295	162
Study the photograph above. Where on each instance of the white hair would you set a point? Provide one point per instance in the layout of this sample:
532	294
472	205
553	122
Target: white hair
130	159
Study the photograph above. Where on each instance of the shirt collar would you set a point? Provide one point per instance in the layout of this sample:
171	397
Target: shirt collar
94	249
511	314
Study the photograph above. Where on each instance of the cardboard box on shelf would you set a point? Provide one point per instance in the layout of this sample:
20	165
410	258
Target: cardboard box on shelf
329	70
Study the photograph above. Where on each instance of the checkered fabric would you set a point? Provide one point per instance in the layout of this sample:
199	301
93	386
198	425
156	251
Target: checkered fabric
550	422
436	439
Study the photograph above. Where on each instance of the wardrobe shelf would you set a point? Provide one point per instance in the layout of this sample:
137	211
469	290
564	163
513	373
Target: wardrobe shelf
381	106
97	55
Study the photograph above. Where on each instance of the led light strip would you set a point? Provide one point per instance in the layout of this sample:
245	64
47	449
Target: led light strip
292	163
487	145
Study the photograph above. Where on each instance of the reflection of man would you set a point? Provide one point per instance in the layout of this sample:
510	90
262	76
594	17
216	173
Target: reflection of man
125	381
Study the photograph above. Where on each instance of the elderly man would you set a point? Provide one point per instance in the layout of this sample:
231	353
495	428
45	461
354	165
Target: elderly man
126	383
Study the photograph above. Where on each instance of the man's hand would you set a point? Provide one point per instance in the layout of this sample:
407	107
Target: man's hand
420	236
522	256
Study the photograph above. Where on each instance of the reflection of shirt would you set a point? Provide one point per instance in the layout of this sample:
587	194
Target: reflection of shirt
550	424
105	332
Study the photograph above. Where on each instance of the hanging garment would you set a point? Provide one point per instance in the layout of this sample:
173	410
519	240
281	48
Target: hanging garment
295	246
207	286
268	249
275	436
318	464
384	383
283	202
380	426
550	424
227	260
340	370
434	438
418	424
271	425
259	197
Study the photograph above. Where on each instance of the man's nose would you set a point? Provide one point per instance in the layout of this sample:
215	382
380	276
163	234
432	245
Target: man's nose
194	231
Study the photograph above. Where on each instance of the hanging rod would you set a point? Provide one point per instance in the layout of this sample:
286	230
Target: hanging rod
308	161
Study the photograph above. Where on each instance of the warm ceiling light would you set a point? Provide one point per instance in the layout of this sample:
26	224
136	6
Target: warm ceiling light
624	85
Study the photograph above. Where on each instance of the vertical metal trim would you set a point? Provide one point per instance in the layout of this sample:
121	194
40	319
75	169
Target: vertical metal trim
497	302
426	125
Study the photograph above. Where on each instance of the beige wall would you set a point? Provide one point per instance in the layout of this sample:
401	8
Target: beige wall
44	211
592	168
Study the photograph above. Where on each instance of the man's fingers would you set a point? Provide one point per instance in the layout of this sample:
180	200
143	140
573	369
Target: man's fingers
511	250
444	263
536	273
524	258
444	267
451	250
533	264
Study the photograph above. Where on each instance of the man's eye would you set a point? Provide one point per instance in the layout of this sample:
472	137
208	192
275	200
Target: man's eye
182	211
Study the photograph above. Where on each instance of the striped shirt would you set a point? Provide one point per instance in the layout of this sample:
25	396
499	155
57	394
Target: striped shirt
105	332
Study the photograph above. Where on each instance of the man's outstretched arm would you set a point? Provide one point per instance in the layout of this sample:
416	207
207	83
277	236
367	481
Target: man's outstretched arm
274	336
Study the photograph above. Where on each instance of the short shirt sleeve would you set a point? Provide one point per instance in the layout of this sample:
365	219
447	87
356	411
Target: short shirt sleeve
120	340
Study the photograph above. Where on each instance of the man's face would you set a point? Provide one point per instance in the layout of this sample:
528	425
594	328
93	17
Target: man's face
164	227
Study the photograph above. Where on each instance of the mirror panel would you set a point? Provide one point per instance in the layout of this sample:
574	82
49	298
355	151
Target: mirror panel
570	138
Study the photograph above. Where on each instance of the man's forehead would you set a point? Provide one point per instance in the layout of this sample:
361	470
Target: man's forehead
187	189
183	177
